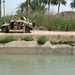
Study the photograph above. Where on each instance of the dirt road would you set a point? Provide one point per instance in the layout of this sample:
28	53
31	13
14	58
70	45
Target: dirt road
33	32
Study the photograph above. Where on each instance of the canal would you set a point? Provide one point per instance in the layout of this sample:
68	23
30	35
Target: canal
37	65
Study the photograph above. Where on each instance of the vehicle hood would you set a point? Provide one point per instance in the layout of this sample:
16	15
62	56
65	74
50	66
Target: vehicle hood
5	24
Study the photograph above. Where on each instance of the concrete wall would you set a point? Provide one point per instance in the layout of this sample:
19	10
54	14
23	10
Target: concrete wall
37	50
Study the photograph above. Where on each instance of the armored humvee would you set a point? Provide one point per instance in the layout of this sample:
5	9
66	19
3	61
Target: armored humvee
10	26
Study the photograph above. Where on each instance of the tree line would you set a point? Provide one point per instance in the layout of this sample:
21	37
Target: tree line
37	10
38	5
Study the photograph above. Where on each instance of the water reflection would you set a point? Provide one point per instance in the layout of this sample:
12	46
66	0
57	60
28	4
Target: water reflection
37	65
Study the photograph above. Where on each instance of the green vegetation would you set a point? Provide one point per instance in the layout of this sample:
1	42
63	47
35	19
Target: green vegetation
7	39
28	38
37	5
49	22
38	12
72	43
55	22
7	19
45	20
42	39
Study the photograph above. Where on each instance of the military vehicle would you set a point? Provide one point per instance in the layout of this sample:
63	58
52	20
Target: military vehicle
19	23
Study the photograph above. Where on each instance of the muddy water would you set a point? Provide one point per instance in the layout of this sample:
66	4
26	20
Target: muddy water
37	65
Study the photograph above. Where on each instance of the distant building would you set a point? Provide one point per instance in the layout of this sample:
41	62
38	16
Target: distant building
67	13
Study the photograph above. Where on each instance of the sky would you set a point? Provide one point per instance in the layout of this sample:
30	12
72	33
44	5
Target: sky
11	7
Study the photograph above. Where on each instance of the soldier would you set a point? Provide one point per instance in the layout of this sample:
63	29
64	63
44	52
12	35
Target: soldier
16	18
15	27
23	28
27	29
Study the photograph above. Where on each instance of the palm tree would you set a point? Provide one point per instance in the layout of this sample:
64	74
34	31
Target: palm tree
0	10
31	5
27	4
63	2
72	4
36	5
22	6
48	2
59	2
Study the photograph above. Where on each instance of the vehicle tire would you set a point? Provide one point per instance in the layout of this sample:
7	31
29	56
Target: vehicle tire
4	29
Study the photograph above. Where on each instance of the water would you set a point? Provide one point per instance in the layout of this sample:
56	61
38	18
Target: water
37	65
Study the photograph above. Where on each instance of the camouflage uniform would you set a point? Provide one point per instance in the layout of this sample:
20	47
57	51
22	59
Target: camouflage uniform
15	27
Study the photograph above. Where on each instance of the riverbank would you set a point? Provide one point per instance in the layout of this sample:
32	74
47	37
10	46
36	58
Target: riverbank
23	47
31	47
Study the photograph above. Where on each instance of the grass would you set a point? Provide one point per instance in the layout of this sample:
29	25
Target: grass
7	39
6	18
71	43
28	38
42	39
48	22
55	22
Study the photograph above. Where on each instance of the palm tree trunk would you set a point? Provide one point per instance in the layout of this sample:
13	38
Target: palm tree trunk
27	3
0	10
49	6
58	7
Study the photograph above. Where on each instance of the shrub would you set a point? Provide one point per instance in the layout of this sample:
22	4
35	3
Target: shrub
54	22
6	18
28	38
42	40
50	21
7	39
63	42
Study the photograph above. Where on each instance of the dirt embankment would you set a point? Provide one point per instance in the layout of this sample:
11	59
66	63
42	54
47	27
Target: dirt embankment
23	47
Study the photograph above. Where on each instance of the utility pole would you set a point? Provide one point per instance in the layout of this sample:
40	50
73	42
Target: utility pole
4	7
0	10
